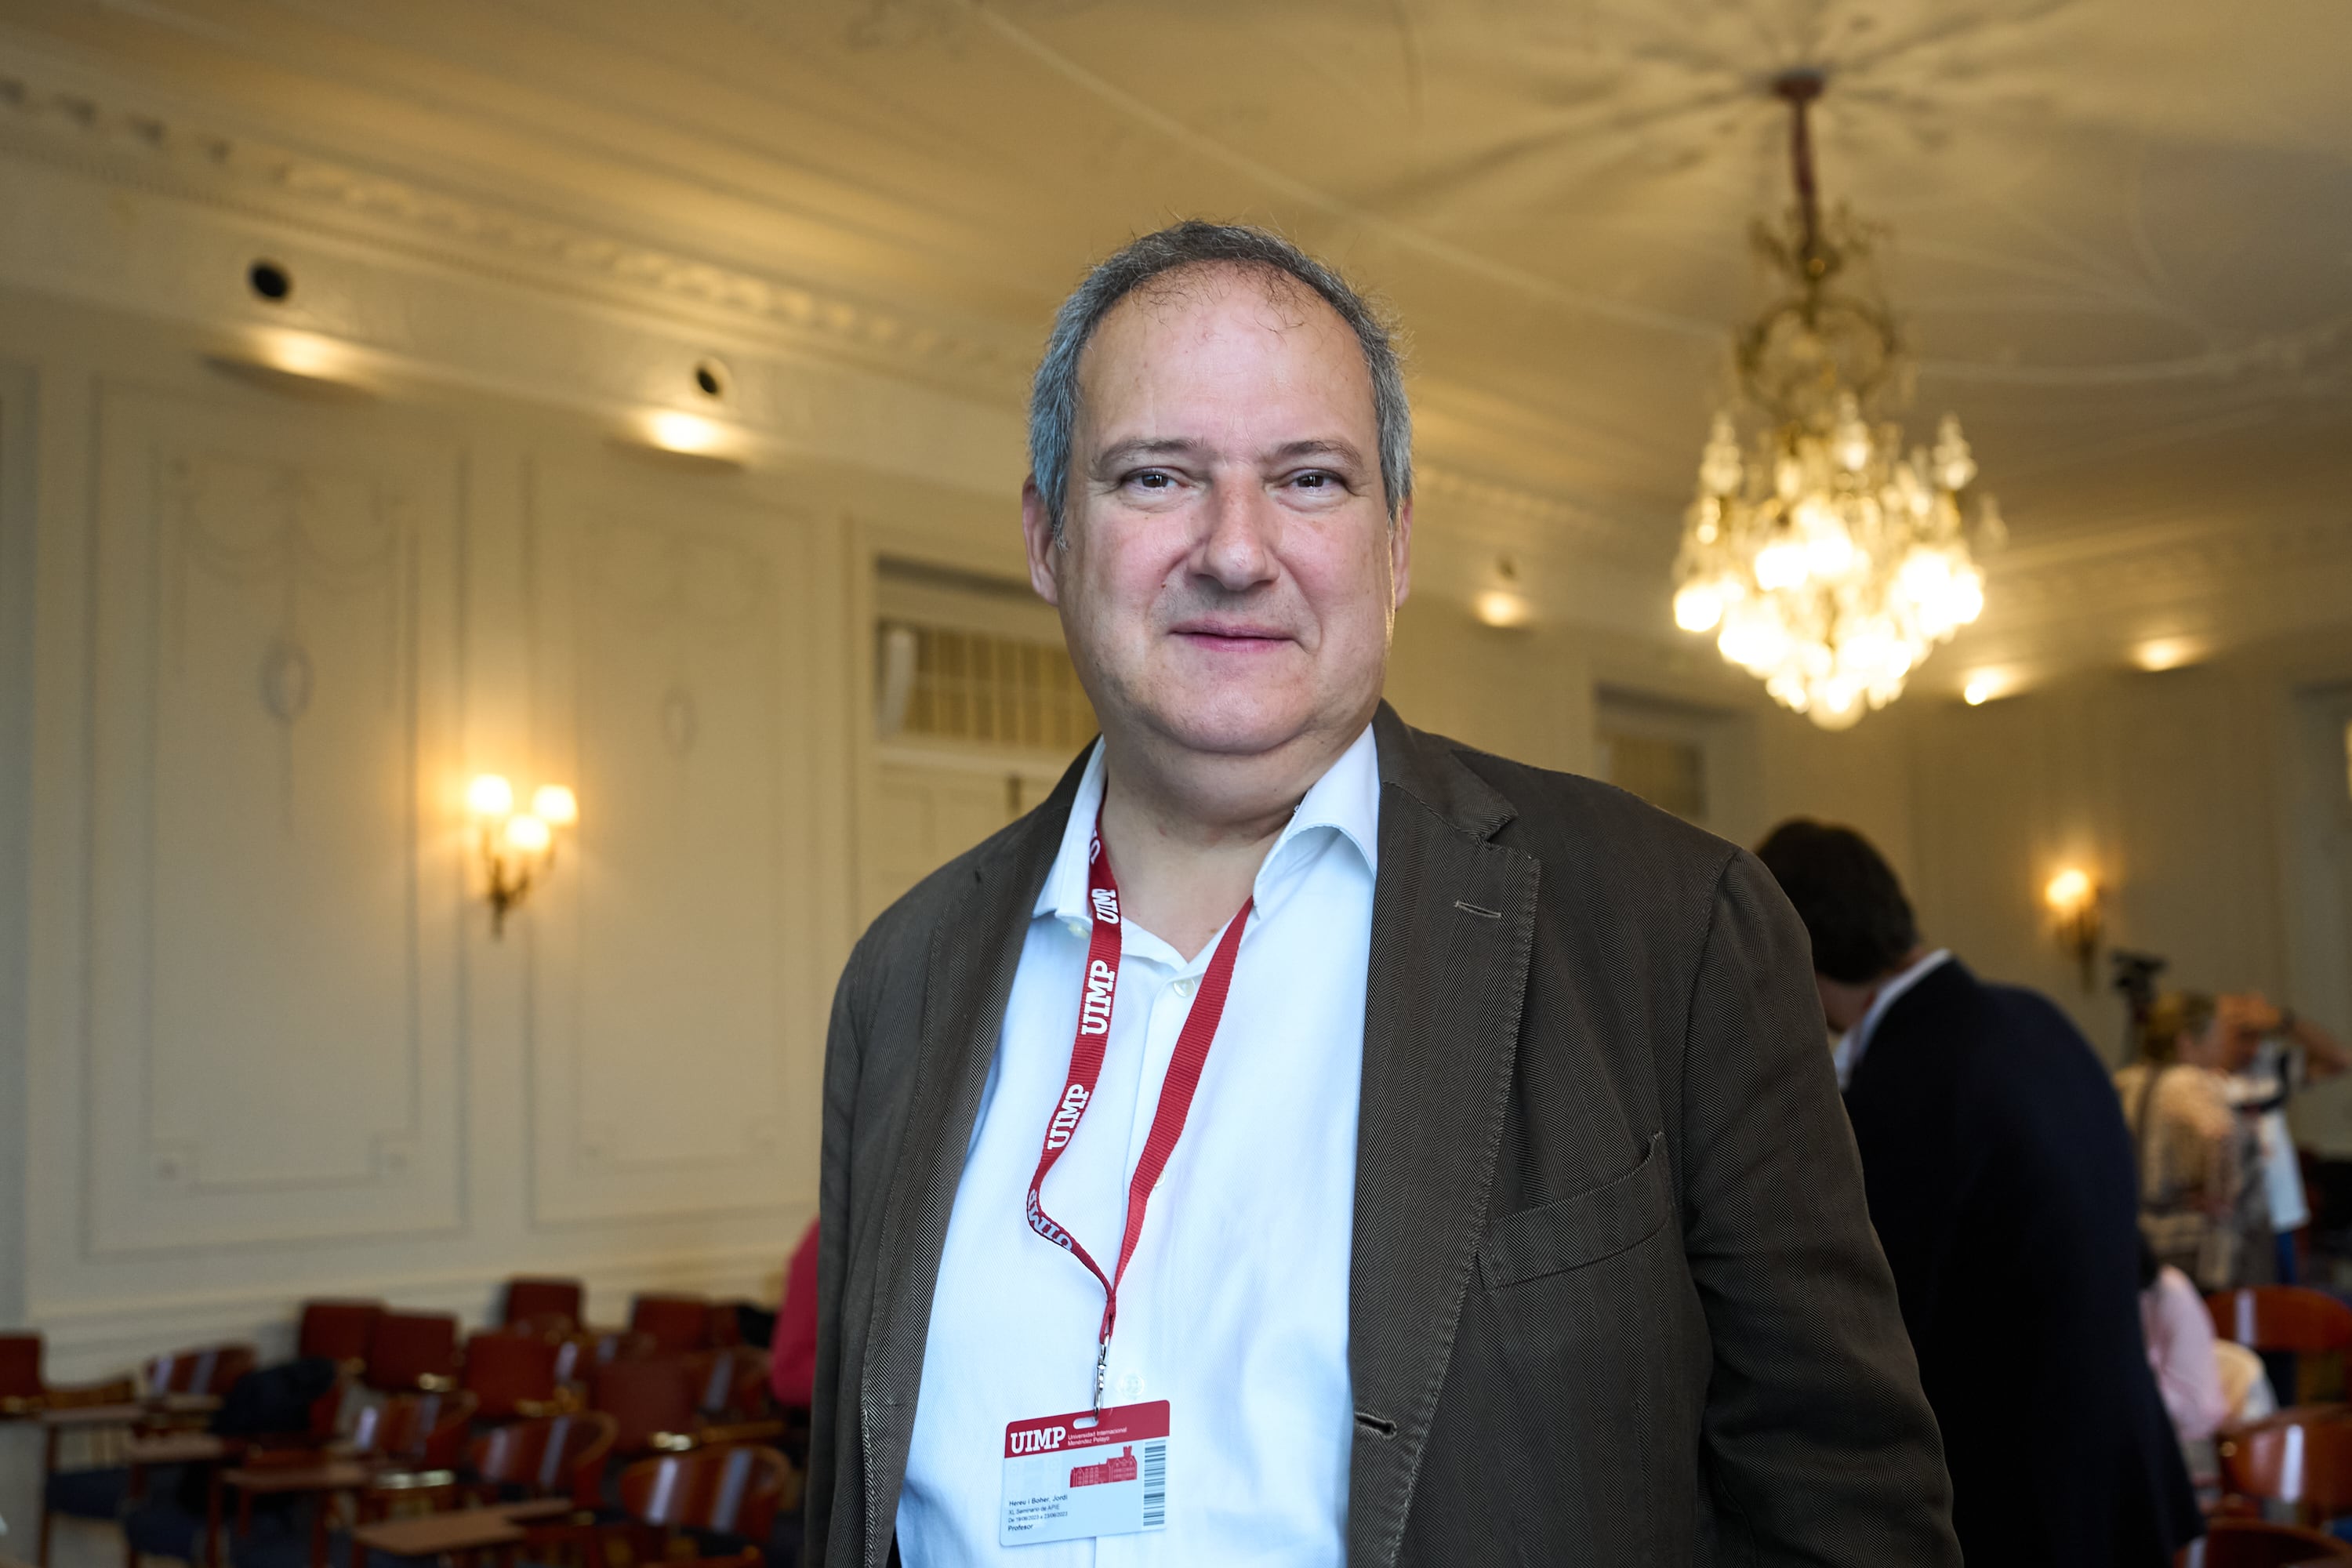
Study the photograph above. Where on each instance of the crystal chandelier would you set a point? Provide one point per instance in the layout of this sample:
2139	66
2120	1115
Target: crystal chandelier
1828	561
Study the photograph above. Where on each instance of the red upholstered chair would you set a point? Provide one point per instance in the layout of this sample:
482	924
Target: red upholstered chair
734	1491
511	1375
2309	1324
2251	1543
2303	1460
20	1374
676	1322
550	1306
338	1331
204	1370
733	1383
2282	1318
554	1455
728	1492
578	1356
413	1350
425	1431
651	1402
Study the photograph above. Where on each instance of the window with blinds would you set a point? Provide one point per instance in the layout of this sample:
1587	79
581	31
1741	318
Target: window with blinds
977	688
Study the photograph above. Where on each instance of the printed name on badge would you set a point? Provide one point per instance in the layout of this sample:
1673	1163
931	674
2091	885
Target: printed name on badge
1064	1481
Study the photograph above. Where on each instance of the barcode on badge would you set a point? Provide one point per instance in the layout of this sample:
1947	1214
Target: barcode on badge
1155	1483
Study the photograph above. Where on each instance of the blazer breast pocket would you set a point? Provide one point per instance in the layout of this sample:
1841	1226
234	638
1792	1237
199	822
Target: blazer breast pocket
1584	1229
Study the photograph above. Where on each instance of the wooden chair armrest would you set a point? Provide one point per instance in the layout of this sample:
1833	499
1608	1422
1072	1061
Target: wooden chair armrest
716	1434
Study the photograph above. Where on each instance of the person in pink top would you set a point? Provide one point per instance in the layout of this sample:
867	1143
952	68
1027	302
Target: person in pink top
792	1354
2180	1348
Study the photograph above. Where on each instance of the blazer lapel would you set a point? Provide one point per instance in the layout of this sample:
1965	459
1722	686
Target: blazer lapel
1453	925
975	949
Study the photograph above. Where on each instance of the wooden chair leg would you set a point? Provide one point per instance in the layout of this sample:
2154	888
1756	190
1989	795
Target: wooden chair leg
48	1469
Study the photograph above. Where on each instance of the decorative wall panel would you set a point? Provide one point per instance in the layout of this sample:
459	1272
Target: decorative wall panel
673	965
273	890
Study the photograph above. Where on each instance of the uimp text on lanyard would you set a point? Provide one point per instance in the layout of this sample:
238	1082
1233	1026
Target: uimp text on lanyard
1098	991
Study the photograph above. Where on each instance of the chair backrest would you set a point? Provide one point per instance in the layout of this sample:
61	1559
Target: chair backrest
2282	1318
731	1384
20	1370
2251	1543
556	1455
676	1322
201	1369
2308	1463
645	1399
511	1373
577	1356
749	1557
732	1492
548	1305
337	1329
426	1430
412	1350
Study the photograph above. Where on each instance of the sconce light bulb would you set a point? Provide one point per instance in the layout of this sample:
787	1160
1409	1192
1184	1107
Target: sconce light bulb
1978	691
555	806
1498	607
527	834
490	796
2068	890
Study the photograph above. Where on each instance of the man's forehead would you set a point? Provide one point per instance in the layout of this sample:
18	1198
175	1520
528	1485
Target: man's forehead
1167	317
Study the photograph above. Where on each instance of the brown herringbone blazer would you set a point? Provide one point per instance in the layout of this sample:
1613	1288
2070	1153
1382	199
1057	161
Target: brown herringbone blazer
1615	1297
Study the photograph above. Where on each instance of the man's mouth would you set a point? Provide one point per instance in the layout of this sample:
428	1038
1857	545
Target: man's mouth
1230	636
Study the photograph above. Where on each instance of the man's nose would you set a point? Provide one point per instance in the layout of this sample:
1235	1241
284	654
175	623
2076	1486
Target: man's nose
1237	541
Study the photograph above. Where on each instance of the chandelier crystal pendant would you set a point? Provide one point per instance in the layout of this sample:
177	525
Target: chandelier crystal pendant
1828	561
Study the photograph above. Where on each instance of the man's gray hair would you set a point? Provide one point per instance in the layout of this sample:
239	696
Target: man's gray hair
1053	396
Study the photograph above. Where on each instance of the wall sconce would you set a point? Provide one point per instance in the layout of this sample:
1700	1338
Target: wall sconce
517	847
2074	901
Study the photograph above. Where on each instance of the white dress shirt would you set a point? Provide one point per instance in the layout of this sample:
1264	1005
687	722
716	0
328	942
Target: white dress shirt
1855	1041
1234	1308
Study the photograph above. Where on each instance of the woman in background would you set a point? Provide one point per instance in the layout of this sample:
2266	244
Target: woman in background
2204	1206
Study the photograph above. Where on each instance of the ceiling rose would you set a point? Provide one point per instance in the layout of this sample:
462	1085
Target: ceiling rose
1828	561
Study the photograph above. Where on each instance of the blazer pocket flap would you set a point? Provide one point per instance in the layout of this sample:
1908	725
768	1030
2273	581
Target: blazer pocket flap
1582	1229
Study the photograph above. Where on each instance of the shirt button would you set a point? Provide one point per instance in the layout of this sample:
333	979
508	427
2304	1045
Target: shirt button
1130	1384
1183	987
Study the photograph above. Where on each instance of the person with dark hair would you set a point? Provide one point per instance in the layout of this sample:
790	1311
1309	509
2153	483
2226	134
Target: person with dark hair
1305	1140
2001	1182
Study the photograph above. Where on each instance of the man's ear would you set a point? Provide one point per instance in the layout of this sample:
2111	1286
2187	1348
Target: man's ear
1401	551
1037	535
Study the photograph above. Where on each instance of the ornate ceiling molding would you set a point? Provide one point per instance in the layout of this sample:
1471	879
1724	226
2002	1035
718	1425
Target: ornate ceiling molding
46	112
1516	515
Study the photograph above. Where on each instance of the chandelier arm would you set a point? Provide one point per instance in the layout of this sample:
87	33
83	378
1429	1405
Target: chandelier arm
1799	88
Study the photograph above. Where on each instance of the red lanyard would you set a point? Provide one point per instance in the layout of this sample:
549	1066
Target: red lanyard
1085	1066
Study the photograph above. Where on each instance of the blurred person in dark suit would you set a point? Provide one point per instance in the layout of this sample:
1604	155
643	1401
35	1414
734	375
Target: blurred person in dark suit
2000	1181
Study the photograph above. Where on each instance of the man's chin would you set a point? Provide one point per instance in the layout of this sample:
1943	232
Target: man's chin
1233	730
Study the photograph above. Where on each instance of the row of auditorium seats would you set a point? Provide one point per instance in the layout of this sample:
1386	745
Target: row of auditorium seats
407	1414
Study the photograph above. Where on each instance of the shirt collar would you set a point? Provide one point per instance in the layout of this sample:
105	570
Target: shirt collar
1346	798
1857	1040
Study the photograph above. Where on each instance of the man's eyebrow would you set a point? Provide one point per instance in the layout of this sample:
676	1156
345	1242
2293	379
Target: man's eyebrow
1318	447
1136	446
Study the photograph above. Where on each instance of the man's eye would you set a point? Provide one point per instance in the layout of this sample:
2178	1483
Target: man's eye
1151	480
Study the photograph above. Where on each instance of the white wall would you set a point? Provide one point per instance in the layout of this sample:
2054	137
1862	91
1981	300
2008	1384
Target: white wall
274	1048
255	1039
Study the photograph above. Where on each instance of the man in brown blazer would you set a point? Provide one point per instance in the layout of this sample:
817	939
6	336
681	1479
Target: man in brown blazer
1302	1139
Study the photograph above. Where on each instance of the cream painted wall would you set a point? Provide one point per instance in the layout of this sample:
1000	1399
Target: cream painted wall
274	1048
268	1046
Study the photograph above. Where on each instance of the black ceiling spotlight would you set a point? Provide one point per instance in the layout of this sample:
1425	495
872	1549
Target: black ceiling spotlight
269	281
710	378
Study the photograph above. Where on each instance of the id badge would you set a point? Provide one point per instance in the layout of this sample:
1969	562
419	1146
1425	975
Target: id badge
1064	1481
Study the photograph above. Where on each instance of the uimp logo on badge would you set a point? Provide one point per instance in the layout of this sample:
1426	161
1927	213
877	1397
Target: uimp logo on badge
1064	1481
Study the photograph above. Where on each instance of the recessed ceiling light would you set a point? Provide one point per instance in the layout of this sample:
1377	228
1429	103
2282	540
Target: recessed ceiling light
2167	653
1498	607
